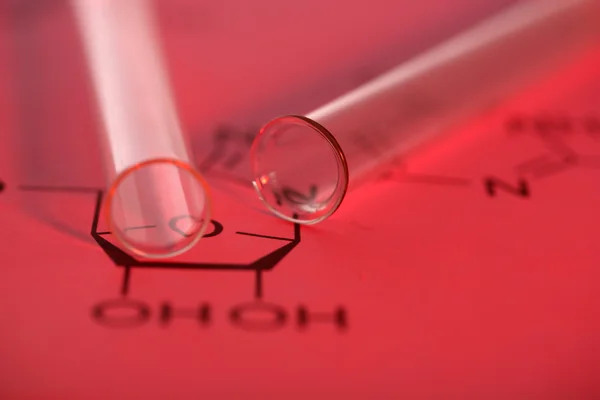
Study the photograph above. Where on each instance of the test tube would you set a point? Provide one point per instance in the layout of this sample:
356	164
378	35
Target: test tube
303	165
157	204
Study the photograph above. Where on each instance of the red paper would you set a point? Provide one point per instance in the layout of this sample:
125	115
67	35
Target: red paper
471	272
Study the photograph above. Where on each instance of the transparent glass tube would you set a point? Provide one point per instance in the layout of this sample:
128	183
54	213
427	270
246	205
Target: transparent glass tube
157	205
303	166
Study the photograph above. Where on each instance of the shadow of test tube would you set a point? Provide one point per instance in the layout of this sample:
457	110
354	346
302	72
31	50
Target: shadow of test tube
149	169
303	166
51	136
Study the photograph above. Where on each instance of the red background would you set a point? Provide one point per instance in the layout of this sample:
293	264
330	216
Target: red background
448	292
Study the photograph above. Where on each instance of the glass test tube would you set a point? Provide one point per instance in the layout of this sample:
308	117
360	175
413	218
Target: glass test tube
303	166
157	205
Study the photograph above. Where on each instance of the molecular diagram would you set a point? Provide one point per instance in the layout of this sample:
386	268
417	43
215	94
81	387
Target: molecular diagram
224	161
255	315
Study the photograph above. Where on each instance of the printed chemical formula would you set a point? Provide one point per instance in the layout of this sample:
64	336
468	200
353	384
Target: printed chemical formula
228	155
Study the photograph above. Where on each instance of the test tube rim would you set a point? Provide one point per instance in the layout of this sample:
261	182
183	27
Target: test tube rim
340	158
149	162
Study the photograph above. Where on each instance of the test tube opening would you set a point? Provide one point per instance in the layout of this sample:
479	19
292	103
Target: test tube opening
299	170
158	208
